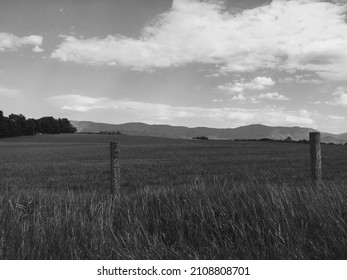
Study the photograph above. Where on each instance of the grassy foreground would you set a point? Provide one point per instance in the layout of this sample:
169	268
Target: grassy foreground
179	200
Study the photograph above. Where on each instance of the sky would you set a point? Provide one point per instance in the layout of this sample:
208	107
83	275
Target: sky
192	63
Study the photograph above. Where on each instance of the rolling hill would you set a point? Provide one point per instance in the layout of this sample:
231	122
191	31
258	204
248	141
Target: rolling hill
255	131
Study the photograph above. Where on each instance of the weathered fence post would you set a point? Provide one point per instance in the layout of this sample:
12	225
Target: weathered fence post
316	162
114	167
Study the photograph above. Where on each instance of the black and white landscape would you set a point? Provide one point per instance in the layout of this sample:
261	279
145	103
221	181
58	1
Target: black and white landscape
173	129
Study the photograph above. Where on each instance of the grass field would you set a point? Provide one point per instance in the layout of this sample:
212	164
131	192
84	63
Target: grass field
180	199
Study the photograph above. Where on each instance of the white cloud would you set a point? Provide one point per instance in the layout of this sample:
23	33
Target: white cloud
127	110
308	35
268	96
215	75
37	49
340	97
10	42
301	79
273	96
238	88
336	118
10	92
232	88
257	83
217	100
304	113
239	97
262	82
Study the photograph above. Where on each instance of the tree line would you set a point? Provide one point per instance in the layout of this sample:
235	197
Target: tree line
17	125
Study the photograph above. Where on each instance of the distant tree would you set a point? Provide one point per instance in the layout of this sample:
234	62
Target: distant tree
200	138
64	126
110	132
3	125
18	125
48	125
267	140
32	127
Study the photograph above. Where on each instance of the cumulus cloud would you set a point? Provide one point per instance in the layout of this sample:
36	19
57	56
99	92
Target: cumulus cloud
37	49
10	42
257	83
340	98
308	35
273	96
238	90
239	97
301	79
196	116
236	87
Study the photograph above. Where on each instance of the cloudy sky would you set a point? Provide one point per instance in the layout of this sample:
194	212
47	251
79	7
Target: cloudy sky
182	62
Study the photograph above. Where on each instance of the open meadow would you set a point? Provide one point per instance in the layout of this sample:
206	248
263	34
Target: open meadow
179	199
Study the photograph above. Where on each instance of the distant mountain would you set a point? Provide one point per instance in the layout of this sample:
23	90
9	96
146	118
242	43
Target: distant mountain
255	131
343	135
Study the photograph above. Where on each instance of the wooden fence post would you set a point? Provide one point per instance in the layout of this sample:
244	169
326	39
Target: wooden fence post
114	167
316	158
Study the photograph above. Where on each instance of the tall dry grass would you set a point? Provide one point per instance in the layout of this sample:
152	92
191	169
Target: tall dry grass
179	200
198	221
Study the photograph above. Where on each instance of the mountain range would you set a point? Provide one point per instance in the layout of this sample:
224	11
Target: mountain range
254	131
